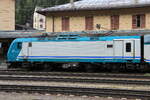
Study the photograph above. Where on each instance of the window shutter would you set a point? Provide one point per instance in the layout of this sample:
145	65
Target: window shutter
65	23
138	23
89	23
114	22
134	21
143	19
117	22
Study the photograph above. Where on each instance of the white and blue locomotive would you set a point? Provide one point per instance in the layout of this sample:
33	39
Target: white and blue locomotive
111	52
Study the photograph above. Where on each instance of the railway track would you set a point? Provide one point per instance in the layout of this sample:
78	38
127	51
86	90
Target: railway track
85	78
132	79
104	75
75	79
77	91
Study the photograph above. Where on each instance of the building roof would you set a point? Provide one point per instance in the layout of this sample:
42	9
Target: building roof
20	34
29	34
97	5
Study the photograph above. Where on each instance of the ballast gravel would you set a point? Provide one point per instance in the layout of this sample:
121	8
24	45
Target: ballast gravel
84	85
36	96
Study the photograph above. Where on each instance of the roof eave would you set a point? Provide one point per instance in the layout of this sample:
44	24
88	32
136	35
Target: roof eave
87	9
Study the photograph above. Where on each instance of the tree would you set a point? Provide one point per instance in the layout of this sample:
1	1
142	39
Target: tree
25	8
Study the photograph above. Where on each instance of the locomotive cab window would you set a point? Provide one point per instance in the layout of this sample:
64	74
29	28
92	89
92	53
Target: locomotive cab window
128	47
19	45
30	44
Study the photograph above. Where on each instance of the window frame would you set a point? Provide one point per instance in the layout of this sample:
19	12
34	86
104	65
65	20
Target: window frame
138	21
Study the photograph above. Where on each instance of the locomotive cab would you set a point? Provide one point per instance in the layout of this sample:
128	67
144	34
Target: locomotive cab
147	48
13	51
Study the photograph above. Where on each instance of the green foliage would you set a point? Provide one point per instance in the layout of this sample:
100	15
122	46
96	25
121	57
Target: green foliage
25	8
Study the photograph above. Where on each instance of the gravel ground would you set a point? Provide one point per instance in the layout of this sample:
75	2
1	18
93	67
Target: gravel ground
84	85
25	96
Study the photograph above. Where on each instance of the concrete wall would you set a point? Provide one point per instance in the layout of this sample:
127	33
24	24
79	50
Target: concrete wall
77	19
7	14
148	21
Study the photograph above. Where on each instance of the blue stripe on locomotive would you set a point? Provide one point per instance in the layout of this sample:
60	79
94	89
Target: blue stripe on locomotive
83	60
13	52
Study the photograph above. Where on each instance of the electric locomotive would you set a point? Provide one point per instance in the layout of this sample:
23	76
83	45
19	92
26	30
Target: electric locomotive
82	52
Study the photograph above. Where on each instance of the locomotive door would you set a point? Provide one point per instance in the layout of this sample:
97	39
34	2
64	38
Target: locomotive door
26	51
124	49
129	49
118	48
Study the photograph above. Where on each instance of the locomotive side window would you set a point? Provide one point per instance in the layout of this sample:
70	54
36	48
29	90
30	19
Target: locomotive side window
30	44
109	46
19	45
128	47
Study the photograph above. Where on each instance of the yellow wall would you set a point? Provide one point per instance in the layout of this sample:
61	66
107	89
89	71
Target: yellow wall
57	24
77	21
104	20
148	21
125	22
7	14
49	24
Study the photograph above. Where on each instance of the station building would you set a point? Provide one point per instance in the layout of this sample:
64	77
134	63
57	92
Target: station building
38	20
89	15
7	22
7	15
7	28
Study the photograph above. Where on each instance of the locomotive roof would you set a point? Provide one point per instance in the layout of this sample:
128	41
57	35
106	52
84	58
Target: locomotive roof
97	5
106	38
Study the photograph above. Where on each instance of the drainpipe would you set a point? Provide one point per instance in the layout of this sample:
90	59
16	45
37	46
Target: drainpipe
53	27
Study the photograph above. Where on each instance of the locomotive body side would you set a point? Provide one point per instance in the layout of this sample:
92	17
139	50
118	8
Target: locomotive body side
118	49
